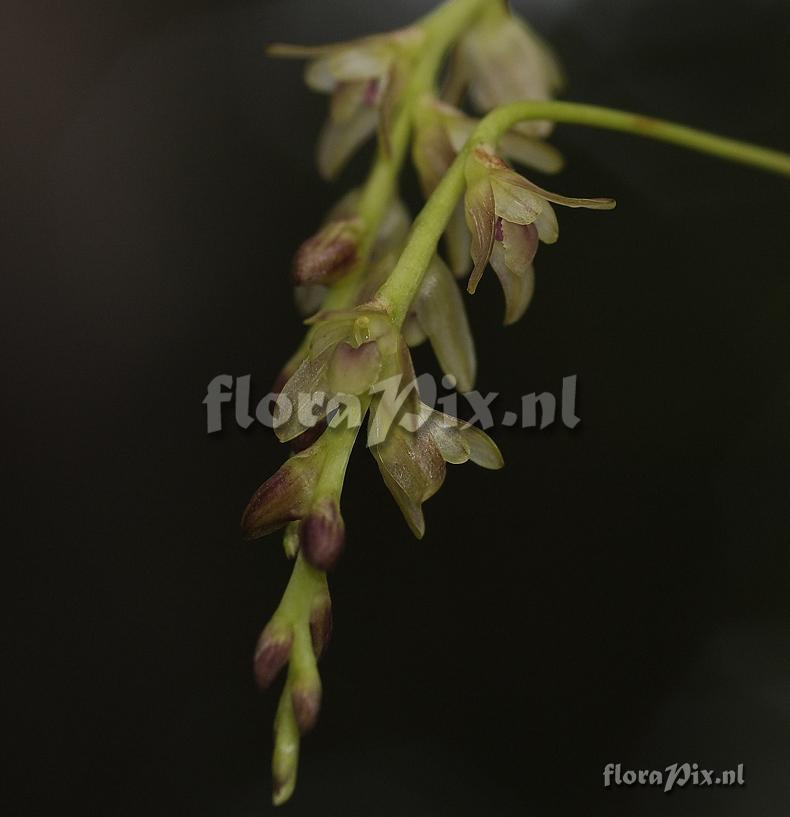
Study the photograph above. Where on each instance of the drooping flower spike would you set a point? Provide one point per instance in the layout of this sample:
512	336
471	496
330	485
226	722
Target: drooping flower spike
363	78
508	216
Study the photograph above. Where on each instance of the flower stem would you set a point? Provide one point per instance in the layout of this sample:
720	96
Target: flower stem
404	282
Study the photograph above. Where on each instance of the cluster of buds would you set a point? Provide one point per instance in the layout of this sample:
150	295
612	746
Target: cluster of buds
356	357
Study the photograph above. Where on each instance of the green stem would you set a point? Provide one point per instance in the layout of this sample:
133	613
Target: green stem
404	282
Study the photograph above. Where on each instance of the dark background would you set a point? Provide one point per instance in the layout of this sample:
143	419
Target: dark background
617	593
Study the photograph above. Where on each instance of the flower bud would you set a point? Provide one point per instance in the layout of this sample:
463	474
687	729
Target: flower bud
285	760
321	625
271	653
329	254
284	497
322	534
306	700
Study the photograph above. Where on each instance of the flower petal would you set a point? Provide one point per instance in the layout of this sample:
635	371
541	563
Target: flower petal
513	202
590	204
340	140
458	243
483	450
547	225
355	63
308	380
413	470
480	218
531	152
512	262
441	313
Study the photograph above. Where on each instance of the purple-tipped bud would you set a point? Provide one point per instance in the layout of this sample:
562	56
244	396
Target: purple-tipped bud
271	654
321	625
283	498
322	534
306	700
328	255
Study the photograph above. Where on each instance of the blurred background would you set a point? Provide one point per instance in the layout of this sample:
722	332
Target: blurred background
619	593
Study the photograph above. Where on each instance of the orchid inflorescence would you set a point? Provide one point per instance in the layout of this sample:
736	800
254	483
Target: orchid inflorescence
372	284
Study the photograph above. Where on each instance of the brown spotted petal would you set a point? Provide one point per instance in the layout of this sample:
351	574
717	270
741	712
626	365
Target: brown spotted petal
440	311
284	497
514	251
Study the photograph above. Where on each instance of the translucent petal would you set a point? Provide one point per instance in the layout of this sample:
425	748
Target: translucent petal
458	243
309	298
339	141
531	152
394	230
441	313
482	449
480	218
347	99
329	332
413	333
432	154
590	204
513	202
547	225
308	379
411	510
512	262
446	433
413	470
348	64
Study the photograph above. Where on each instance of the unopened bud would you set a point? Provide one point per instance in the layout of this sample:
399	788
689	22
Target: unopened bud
322	534
321	625
283	498
285	760
328	255
306	700
271	653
